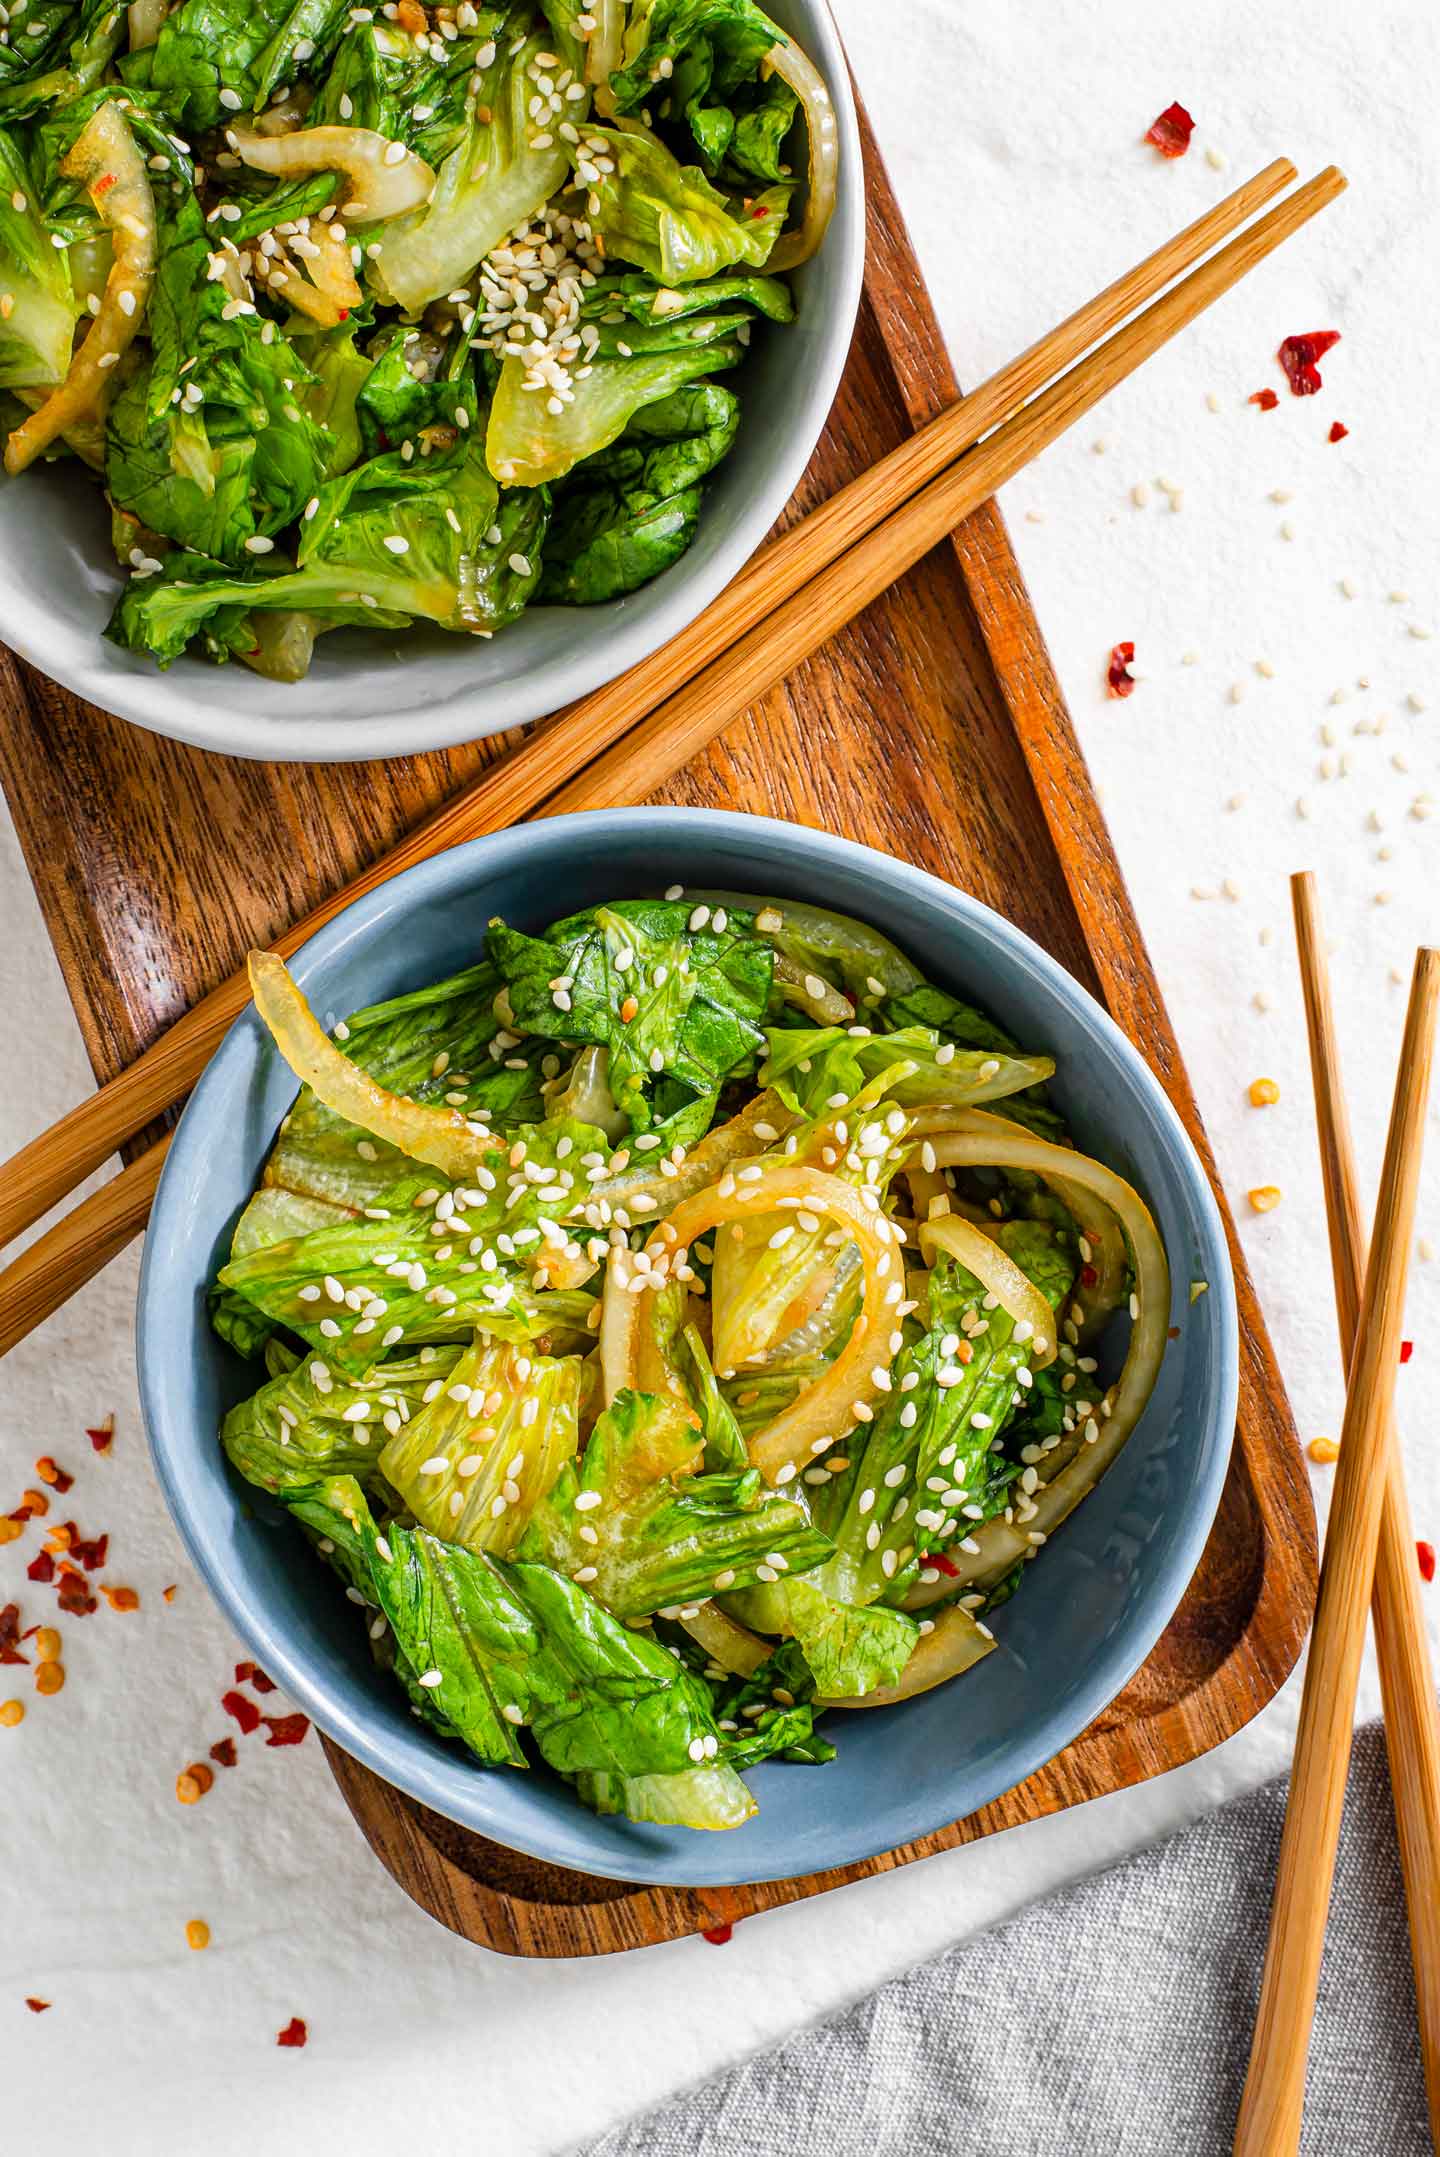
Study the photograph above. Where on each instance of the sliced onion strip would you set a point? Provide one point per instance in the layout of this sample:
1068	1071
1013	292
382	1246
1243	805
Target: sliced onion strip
1077	1472
786	60
104	158
726	1641
718	1150
830	1406
997	1271
381	186
443	1138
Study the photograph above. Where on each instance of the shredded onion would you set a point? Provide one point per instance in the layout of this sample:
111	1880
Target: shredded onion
319	282
793	66
955	1645
1076	1470
603	50
104	157
815	1421
380	189
726	1641
828	1008
994	1267
443	1138
1096	1221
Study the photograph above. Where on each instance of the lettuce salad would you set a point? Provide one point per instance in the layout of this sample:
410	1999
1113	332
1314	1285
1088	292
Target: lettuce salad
674	1325
376	316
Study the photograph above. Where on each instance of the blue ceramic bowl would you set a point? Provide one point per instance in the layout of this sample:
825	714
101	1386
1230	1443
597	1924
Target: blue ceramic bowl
1091	1608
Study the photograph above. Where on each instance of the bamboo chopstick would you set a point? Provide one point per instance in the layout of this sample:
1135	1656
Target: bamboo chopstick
657	743
51	1165
1412	1726
1270	2110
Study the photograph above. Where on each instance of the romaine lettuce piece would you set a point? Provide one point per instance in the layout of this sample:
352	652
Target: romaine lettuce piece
632	510
927	1469
247	48
310	1423
493	181
504	1646
809	1066
709	1797
473	1463
646	1534
528	444
57	53
666	999
387	542
38	323
652	210
435	1259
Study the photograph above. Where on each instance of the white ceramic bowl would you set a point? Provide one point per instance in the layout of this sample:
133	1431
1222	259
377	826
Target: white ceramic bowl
377	695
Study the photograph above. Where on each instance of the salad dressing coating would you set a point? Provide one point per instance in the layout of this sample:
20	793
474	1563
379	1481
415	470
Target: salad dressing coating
663	1346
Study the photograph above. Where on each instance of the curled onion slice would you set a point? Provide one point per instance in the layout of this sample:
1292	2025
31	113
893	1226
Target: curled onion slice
1078	1468
786	60
997	1271
812	993
443	1138
382	186
726	1641
604	50
956	1644
862	1369
104	158
1108	1260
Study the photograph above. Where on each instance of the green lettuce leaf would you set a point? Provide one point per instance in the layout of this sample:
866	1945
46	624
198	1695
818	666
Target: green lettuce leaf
645	1535
308	1423
430	1264
446	565
473	1464
632	510
37	326
493	181
665	216
697	994
809	1066
57	53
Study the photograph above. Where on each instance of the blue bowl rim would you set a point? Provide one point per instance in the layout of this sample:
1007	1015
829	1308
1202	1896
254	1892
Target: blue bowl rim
854	1842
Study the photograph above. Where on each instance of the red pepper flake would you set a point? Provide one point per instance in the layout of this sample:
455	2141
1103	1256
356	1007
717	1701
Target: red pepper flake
293	2034
1425	1552
223	1750
103	185
1171	132
49	1472
36	2007
120	1598
252	1674
92	1554
1407	1350
1118	676
103	1436
41	1568
245	1712
1298	356
718	1935
286	1729
942	1564
1338	431
1088	1277
74	1593
169	1593
10	1635
1266	399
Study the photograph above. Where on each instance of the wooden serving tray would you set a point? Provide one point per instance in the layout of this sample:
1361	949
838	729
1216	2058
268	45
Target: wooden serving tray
932	728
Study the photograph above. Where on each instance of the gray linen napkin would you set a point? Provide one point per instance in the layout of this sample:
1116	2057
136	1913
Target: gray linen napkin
1114	2019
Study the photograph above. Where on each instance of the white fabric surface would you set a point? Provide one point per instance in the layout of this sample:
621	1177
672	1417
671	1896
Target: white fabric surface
1012	134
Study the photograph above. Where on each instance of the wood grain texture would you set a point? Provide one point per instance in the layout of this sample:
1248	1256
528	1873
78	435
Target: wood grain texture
1402	1645
933	728
1274	2096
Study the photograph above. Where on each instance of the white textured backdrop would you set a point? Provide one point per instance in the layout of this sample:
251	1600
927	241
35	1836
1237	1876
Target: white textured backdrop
1013	136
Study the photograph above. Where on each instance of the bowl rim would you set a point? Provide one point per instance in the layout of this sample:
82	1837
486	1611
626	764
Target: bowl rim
172	703
561	1840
